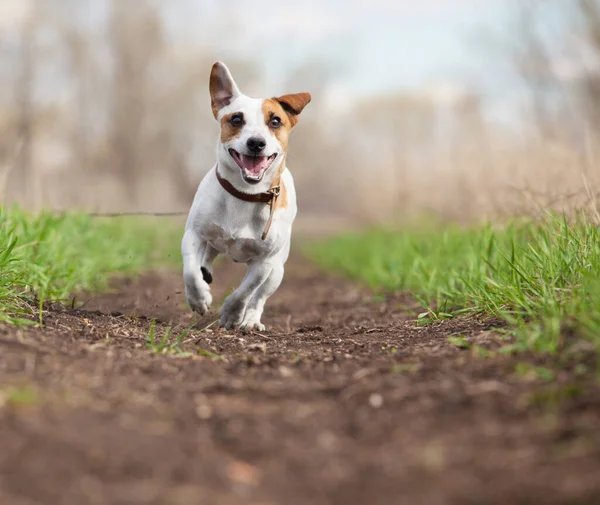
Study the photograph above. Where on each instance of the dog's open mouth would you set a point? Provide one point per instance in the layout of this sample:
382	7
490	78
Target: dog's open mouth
253	167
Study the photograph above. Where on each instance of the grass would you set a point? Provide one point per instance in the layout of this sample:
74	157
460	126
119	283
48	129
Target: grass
543	278
166	344
49	257
16	396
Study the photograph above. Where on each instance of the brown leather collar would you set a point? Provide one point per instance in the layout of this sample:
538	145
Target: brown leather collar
270	197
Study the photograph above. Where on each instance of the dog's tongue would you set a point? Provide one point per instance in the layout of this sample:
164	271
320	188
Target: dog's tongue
254	164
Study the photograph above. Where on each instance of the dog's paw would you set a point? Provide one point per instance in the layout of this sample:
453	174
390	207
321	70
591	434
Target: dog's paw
199	300
232	313
201	304
258	326
252	321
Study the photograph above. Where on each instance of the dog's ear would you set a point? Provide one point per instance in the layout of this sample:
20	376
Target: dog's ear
294	104
222	87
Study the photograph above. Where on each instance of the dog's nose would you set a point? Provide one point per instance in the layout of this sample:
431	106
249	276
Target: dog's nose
256	144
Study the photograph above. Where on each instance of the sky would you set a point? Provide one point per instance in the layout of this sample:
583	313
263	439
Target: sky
438	47
365	46
376	44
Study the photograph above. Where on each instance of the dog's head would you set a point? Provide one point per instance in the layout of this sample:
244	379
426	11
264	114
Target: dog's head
254	132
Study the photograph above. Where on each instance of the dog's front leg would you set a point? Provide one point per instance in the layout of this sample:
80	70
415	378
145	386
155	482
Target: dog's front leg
256	304
234	306
198	256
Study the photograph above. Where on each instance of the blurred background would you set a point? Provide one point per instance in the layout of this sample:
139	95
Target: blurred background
457	109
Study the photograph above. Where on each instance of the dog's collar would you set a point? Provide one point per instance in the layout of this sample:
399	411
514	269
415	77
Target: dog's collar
265	197
270	197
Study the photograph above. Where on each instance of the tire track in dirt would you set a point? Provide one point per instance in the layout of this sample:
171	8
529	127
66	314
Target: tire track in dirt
344	400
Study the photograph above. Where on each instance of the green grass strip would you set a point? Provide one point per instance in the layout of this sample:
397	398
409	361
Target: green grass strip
541	277
50	257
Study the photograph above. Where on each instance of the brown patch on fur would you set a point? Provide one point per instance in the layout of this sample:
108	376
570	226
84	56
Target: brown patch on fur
287	108
282	201
271	108
228	131
293	104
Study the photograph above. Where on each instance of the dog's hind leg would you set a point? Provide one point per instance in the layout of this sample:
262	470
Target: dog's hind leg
256	305
198	257
234	306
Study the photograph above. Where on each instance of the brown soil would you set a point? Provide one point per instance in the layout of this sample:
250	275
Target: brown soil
345	400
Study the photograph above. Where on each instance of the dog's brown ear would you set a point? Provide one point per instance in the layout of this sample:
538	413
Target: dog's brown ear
294	104
222	87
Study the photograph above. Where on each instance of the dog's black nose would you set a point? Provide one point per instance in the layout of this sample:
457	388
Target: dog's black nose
256	144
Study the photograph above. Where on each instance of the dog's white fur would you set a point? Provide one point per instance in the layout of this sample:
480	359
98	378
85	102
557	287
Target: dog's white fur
221	223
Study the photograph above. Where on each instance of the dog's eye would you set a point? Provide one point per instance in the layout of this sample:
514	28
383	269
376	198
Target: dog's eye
237	120
275	122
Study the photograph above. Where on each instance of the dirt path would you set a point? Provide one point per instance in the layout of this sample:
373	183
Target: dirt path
345	400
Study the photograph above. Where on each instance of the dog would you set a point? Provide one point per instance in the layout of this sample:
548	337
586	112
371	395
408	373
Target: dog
245	205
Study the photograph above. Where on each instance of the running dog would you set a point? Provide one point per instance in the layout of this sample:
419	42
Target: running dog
246	204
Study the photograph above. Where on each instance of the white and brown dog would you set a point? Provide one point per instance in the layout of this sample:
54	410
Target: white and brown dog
245	206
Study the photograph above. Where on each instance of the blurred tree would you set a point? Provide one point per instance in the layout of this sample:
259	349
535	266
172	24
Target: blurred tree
137	39
22	176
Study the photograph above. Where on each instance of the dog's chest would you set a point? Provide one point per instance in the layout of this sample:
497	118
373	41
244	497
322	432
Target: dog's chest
240	244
